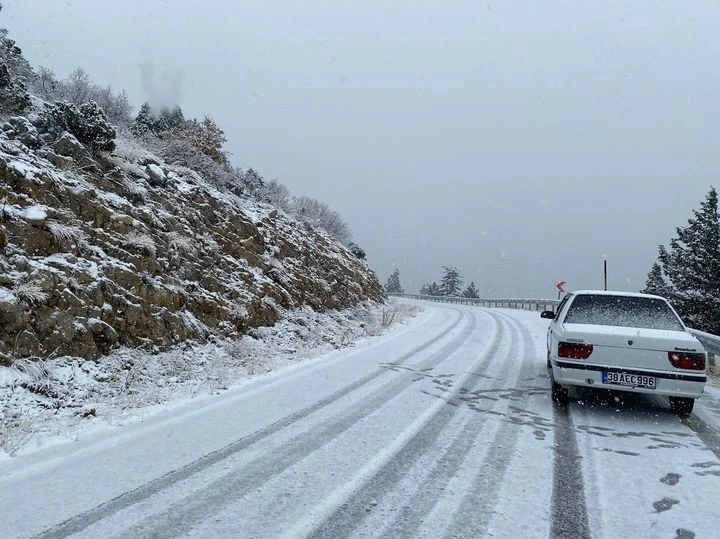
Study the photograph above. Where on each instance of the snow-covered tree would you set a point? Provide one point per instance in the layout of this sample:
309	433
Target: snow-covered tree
87	123
470	291
393	285
206	136
96	131
170	123
143	123
355	249
690	268
275	193
174	118
430	289
656	282
77	87
319	214
11	55
252	182
116	106
182	152
148	123
15	71
14	96
451	282
46	84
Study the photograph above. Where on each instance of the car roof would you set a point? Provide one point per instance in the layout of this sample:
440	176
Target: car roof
615	293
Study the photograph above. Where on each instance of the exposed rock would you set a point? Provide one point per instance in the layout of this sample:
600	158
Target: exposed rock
67	145
157	175
21	129
148	255
60	161
103	335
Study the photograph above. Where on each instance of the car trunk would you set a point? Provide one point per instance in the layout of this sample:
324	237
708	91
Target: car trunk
631	347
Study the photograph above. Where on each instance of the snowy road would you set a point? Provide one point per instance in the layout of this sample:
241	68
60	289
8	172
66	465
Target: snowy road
443	428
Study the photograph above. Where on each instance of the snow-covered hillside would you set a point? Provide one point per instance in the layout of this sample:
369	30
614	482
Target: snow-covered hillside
133	275
121	249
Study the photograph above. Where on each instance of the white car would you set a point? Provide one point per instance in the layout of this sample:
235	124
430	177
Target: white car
627	342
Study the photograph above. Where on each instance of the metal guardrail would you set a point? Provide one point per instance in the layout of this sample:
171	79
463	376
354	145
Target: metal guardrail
710	342
529	304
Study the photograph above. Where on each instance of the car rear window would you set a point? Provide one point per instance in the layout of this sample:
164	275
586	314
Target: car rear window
625	311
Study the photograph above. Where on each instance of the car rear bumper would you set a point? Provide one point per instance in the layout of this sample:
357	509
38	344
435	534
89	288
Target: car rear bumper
668	383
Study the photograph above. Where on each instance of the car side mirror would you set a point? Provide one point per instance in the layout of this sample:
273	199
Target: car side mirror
547	314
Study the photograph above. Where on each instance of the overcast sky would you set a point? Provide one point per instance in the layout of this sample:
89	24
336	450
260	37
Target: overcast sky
520	141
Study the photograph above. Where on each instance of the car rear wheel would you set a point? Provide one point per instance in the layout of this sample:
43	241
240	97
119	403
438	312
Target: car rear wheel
682	406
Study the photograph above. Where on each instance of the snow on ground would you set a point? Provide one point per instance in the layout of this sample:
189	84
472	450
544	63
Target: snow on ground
44	402
444	428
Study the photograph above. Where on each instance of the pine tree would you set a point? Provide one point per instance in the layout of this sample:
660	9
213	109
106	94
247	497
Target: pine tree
656	282
393	285
471	291
430	289
86	122
143	122
252	182
355	249
434	290
174	118
96	131
451	283
692	267
15	71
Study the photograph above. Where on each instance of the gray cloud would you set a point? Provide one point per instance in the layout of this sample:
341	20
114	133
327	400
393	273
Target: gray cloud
163	88
519	141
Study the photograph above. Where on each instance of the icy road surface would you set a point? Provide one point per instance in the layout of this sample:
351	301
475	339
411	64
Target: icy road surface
443	428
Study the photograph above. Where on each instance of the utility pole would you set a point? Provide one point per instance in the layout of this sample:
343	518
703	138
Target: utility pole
605	273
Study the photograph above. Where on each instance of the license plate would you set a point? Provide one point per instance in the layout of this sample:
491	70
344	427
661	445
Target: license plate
631	380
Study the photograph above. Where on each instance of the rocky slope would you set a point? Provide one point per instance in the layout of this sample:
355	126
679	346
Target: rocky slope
103	250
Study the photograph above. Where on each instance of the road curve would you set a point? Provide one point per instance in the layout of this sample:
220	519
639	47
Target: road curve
444	428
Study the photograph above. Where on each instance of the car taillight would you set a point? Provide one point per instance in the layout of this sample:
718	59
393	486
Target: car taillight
572	350
687	360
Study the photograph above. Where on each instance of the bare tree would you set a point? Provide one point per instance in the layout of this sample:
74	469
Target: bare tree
116	106
207	137
45	83
276	193
77	87
319	214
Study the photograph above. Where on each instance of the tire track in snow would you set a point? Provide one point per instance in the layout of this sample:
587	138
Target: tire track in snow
182	515
568	508
86	519
705	432
346	519
411	516
479	504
